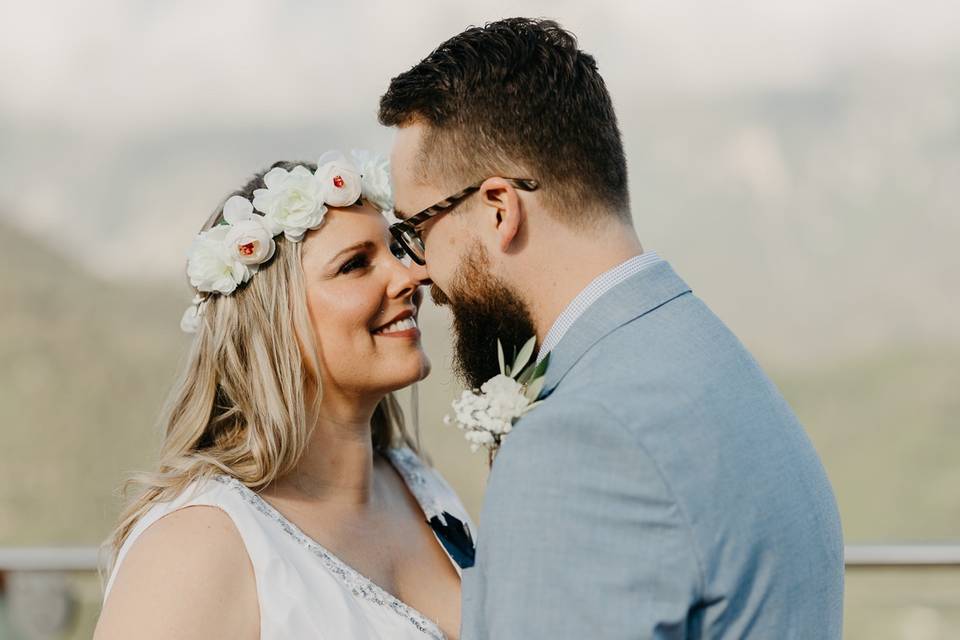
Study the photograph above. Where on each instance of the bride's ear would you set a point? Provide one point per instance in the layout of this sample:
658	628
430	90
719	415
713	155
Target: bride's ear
503	211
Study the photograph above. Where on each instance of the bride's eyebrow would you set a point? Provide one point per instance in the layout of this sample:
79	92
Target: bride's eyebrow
366	244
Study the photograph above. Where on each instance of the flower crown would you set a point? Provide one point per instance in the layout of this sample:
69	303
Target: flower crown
293	202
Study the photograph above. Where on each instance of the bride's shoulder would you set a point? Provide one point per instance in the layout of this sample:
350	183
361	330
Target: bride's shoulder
200	538
188	568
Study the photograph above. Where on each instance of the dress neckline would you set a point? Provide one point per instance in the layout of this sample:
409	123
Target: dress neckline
357	583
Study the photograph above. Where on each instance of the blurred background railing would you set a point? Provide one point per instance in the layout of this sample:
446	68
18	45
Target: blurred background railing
54	592
48	592
857	556
912	556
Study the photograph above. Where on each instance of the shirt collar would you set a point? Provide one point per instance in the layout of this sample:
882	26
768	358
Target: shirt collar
597	287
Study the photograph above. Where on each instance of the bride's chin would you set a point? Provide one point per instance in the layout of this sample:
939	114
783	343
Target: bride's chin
415	374
422	371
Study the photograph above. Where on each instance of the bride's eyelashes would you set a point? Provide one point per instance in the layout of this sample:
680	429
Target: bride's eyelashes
358	261
362	260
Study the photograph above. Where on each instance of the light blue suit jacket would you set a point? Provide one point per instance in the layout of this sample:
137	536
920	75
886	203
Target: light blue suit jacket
663	489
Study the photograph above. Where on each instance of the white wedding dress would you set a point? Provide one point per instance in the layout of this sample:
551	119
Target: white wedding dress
304	590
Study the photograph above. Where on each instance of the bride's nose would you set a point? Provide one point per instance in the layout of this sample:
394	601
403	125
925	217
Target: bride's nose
420	274
403	281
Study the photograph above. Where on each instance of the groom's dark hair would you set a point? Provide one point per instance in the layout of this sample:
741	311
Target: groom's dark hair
516	95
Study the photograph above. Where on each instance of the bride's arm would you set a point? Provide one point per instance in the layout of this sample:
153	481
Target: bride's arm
187	576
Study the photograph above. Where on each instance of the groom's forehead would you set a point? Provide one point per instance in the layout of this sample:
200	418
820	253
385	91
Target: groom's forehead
410	186
406	149
403	156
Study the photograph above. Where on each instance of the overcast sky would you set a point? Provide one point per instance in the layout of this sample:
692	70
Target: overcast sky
115	64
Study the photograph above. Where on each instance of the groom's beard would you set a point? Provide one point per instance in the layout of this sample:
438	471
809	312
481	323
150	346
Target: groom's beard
485	309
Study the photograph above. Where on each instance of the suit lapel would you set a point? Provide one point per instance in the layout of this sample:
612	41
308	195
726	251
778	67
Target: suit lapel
634	297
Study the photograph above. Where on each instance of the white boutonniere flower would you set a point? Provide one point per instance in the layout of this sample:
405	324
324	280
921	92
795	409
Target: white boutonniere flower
293	201
487	415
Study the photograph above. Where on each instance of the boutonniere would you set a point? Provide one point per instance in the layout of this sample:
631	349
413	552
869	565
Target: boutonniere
486	415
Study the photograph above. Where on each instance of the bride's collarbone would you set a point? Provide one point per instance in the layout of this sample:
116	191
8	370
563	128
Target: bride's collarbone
390	542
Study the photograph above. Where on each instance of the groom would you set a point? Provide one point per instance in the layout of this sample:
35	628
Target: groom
663	489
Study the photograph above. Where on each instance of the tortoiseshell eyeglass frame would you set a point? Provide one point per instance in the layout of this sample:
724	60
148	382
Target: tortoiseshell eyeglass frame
407	231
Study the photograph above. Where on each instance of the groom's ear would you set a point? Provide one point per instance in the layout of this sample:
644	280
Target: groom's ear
504	210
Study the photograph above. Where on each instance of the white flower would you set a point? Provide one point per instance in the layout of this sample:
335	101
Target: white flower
250	243
293	201
487	416
250	239
340	179
375	172
468	408
211	266
190	322
191	319
505	396
479	439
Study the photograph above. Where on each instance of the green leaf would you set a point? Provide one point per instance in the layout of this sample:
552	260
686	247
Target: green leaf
526	376
503	367
535	388
541	368
524	357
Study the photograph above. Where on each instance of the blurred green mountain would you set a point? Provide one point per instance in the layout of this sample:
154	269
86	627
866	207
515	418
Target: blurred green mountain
85	367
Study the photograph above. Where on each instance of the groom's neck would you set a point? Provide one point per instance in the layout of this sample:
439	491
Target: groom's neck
567	262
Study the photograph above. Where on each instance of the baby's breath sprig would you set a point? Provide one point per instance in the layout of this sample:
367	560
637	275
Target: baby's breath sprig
487	415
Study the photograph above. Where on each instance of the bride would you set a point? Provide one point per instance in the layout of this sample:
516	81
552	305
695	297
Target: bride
289	501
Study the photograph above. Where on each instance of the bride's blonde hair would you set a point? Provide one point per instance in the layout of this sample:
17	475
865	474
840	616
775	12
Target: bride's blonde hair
239	406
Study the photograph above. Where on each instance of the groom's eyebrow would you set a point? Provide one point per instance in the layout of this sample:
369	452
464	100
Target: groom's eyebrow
400	214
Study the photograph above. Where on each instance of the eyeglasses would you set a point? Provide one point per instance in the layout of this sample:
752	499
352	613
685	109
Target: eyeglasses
407	231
